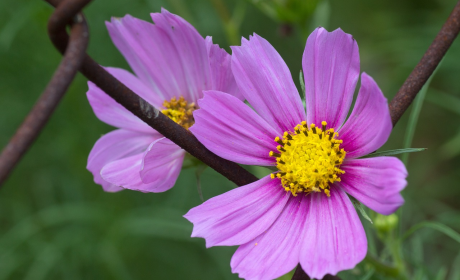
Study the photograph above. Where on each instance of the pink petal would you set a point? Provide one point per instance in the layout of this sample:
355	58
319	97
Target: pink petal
376	182
115	145
266	83
136	85
331	69
369	125
162	164
334	238
232	130
169	56
238	216
126	173
113	113
276	251
221	71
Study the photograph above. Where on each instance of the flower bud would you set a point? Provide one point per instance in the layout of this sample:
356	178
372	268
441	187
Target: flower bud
384	224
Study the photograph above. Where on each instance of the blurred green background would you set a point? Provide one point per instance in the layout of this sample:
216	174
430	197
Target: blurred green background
55	223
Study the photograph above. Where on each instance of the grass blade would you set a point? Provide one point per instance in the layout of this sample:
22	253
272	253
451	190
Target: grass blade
414	115
434	225
394	152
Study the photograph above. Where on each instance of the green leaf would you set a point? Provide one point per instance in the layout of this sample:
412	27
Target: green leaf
394	152
360	208
414	115
302	85
434	225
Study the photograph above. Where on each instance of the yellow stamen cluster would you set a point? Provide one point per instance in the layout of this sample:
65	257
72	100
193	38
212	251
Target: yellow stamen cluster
180	111
308	159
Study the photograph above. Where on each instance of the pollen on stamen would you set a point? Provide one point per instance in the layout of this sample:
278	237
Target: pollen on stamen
279	141
180	111
313	128
323	126
272	154
308	159
331	134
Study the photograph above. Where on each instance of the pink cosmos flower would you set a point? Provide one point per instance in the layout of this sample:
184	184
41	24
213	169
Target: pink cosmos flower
173	64
301	213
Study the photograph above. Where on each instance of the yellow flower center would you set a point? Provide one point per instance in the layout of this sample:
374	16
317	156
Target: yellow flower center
180	111
308	159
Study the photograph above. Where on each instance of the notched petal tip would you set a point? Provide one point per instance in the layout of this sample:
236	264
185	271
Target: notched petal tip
376	182
369	124
163	12
266	83
120	20
331	71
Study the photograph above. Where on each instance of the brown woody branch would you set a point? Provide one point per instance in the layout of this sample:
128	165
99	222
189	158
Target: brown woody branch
56	88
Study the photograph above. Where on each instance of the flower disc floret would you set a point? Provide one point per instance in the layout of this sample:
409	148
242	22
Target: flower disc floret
180	111
308	159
